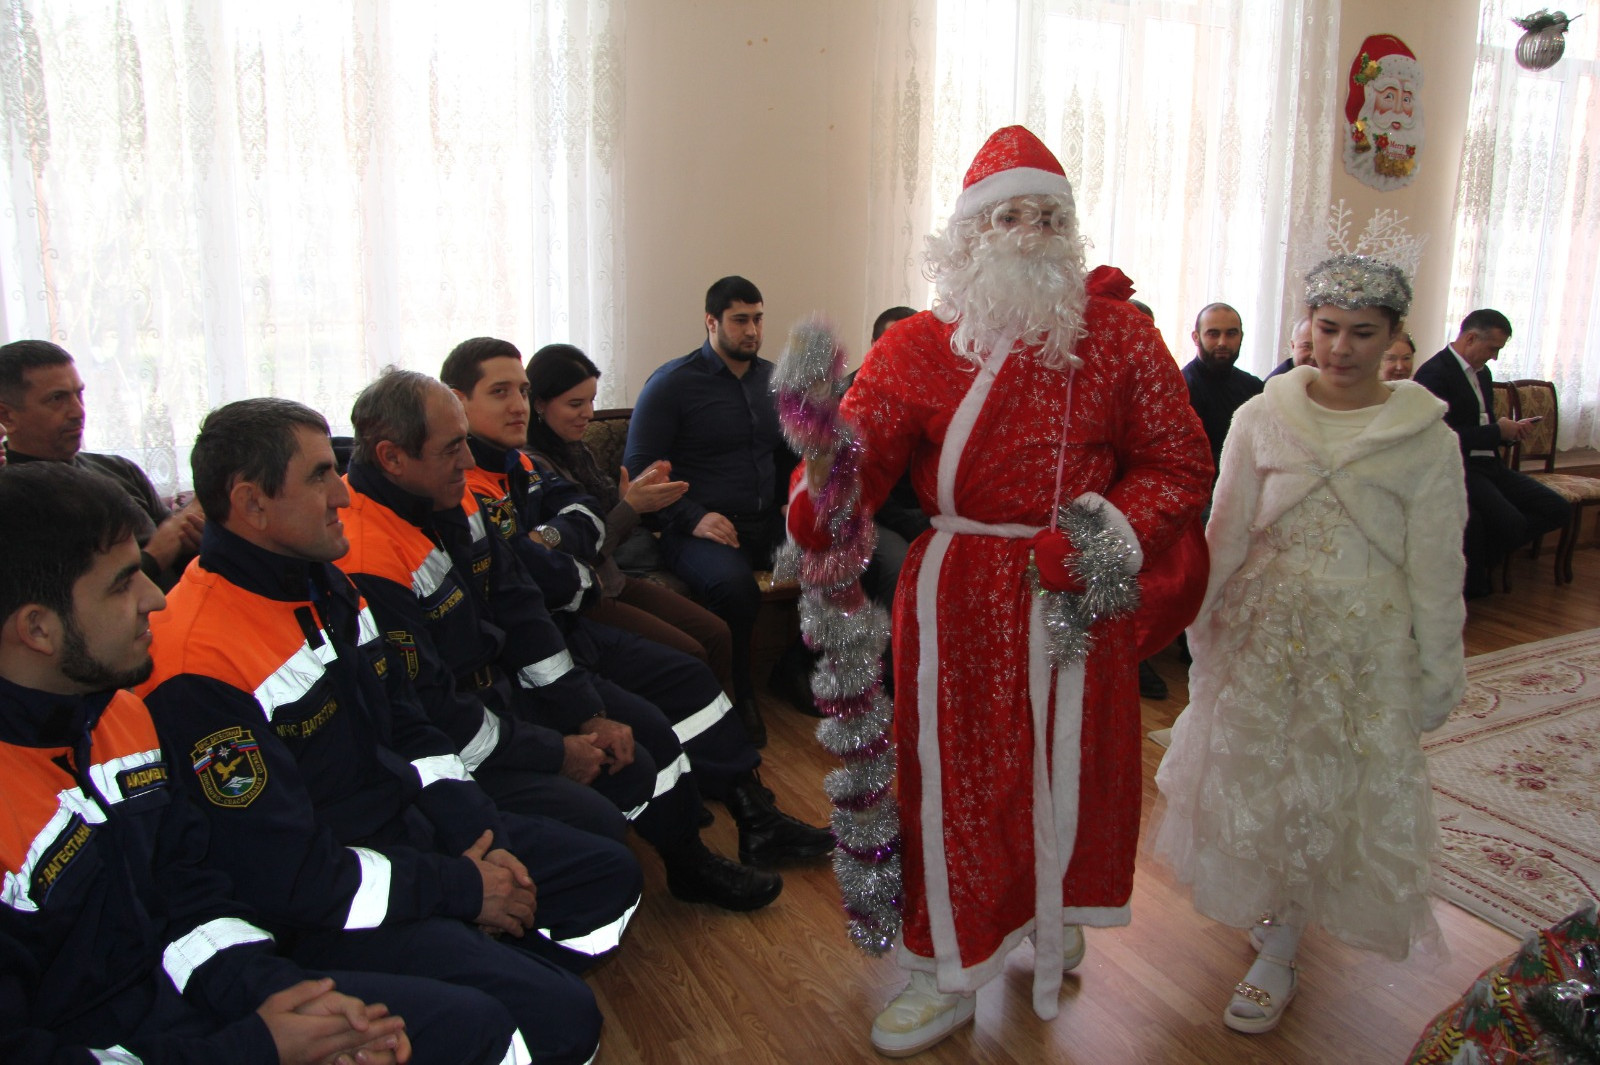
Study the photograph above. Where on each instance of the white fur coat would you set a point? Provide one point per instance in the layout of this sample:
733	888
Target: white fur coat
1400	480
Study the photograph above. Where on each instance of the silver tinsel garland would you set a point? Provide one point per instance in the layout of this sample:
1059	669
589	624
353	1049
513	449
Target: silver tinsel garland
1100	565
850	633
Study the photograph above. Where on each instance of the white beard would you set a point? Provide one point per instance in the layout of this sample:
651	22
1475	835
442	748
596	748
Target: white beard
1022	284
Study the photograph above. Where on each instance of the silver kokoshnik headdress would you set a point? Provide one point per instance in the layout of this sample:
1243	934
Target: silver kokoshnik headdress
1354	281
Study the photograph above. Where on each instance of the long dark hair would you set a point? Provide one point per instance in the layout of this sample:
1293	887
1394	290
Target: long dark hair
554	369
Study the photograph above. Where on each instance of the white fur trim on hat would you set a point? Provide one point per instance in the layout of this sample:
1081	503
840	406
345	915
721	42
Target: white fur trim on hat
1004	184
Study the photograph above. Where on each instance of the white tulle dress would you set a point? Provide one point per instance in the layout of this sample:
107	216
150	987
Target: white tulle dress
1324	647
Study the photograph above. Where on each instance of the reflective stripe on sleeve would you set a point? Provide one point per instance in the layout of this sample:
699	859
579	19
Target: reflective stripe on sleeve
482	745
15	887
188	952
579	508
702	719
437	767
475	523
123	1056
546	671
585	582
291	681
366	626
105	774
426	578
600	940
371	902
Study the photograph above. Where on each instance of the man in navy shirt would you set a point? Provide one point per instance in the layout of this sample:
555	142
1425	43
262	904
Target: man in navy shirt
1217	387
711	414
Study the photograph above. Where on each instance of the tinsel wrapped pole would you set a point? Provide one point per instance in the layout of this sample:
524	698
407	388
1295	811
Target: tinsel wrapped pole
849	632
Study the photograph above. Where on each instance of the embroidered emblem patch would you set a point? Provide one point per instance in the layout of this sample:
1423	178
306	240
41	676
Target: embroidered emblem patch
502	514
230	767
406	644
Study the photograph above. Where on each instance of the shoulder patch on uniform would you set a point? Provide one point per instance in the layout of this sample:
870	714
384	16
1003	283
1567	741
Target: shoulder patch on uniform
143	778
230	767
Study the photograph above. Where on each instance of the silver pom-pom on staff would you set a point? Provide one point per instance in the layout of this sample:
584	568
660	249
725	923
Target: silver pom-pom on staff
849	632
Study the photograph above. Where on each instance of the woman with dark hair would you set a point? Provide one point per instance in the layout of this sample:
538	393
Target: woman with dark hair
561	387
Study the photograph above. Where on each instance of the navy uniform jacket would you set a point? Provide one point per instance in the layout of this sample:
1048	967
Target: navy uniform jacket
334	803
464	613
104	897
517	493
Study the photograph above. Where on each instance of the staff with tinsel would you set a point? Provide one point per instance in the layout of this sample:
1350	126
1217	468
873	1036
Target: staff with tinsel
849	632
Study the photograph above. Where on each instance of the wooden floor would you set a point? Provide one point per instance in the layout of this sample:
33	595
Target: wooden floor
696	985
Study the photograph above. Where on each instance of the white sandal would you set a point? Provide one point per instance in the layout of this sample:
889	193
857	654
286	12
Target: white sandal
920	1016
1258	931
1248	994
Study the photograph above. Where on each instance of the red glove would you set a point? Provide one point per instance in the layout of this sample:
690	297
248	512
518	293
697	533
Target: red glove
1052	557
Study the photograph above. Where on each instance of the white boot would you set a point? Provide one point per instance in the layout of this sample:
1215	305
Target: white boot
919	1017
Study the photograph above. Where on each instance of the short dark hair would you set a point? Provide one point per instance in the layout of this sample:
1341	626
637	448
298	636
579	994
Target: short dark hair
1485	319
20	356
888	318
247	440
1143	308
393	408
54	519
1208	308
463	367
728	291
553	370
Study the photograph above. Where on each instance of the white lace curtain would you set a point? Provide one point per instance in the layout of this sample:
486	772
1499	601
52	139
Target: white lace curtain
1197	136
1527	228
211	200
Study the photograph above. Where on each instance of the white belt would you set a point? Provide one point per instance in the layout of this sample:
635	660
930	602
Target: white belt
955	523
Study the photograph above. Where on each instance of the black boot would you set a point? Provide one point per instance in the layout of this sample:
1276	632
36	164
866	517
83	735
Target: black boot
767	835
694	874
750	717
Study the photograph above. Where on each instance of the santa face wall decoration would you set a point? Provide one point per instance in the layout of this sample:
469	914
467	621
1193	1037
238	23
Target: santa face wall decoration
1383	114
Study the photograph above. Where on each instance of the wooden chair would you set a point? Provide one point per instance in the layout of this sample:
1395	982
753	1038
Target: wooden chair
1538	398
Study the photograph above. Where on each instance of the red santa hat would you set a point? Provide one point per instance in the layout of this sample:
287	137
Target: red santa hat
1381	54
1012	162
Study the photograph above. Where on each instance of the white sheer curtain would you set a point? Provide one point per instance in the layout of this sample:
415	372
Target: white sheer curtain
1527	230
1198	136
210	200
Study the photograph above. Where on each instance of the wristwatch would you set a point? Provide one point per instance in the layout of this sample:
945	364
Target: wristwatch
549	534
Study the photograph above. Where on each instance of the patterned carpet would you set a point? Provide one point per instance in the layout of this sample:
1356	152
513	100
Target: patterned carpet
1516	784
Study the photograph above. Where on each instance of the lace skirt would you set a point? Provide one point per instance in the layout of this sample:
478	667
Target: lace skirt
1295	774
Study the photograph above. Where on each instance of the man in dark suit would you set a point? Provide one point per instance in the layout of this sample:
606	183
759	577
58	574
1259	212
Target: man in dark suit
1506	509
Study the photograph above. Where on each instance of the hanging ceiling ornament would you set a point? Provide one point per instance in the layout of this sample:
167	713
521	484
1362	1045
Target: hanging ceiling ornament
1543	39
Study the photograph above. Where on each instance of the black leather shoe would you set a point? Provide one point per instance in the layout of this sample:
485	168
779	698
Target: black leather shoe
1151	686
750	717
767	835
694	874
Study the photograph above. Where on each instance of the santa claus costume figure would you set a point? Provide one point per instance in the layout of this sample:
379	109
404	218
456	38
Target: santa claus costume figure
1329	640
1019	741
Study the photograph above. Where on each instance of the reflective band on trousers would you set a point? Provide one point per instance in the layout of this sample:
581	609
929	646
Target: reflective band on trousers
666	779
188	952
702	719
600	940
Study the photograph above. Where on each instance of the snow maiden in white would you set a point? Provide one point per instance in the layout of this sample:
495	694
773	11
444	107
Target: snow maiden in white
1329	640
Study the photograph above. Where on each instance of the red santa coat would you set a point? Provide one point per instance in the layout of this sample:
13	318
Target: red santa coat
1019	785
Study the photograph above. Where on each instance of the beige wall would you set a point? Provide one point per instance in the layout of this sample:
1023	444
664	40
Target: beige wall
1443	34
747	143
